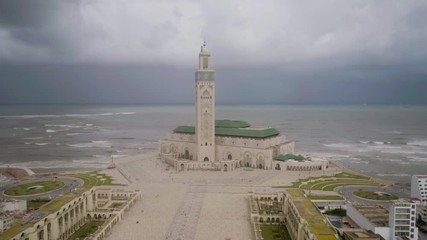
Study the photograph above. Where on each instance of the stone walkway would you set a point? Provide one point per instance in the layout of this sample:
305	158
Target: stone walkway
184	224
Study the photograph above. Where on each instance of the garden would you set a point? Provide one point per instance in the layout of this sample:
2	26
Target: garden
275	232
34	188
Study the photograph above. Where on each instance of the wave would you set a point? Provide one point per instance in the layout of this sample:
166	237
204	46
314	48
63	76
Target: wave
22	128
33	138
50	131
72	134
419	143
67	115
74	164
393	132
375	142
31	116
68	126
41	144
379	146
392	175
417	159
99	144
99	114
127	113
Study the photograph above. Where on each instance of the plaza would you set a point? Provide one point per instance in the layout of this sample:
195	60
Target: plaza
194	204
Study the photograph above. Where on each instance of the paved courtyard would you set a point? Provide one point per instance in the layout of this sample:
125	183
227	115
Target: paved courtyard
201	205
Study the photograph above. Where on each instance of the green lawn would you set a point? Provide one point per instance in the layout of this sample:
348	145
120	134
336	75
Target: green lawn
36	203
86	230
372	196
325	197
331	187
91	179
34	188
274	232
56	203
319	185
329	183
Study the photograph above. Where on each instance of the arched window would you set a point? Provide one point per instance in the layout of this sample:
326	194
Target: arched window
229	157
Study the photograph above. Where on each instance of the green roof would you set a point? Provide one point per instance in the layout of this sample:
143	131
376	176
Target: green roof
249	133
309	212
231	124
233	132
289	156
185	129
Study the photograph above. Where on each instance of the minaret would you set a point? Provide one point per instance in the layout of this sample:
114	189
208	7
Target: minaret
205	108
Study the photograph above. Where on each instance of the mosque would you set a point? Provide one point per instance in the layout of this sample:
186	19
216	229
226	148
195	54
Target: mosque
226	144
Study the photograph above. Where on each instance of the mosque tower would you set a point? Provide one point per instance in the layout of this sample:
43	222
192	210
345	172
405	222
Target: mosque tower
205	108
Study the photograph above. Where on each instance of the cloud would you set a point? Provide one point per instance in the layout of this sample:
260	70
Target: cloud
238	32
133	51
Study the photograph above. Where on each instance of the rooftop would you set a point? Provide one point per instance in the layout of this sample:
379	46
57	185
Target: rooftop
361	234
231	124
375	214
309	212
229	128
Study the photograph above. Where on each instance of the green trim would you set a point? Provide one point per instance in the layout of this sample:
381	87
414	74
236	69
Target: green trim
233	132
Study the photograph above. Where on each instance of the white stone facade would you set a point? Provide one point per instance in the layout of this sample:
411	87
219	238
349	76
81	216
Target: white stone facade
95	203
230	152
14	205
205	108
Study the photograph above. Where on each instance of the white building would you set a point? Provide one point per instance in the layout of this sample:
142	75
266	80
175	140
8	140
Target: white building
398	222
419	191
6	220
402	220
63	216
13	205
222	144
419	188
370	217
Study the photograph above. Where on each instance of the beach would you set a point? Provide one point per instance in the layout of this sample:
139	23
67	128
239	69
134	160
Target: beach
193	204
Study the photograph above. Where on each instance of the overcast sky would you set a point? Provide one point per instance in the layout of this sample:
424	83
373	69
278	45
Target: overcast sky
134	51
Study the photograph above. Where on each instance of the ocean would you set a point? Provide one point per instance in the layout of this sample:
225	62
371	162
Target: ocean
382	141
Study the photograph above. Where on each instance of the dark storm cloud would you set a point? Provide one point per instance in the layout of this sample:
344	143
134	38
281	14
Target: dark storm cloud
277	51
